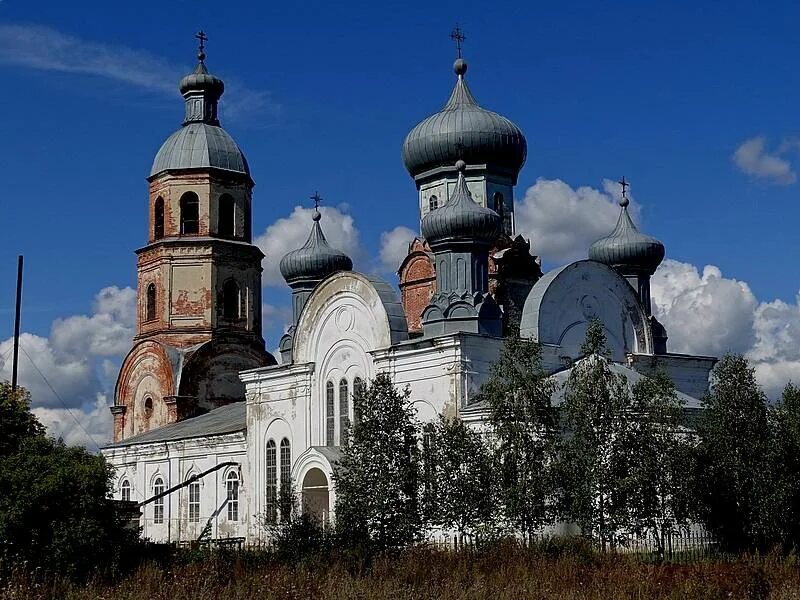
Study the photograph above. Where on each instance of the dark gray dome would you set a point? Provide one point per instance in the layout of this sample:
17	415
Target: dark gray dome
461	219
199	145
626	248
463	130
315	260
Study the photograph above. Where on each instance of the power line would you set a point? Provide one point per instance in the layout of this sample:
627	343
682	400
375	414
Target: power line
60	399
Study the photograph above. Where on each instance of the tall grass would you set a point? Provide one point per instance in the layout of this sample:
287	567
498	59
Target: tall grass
506	571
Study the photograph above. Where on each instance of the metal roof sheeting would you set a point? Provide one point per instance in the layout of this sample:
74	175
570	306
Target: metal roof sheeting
199	145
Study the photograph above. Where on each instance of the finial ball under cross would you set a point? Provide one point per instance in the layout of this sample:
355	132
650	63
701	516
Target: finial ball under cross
624	200
317	199
201	53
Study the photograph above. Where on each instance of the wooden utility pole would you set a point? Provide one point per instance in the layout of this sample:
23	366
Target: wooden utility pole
15	364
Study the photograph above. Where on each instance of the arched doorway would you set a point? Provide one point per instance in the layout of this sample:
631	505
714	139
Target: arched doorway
315	495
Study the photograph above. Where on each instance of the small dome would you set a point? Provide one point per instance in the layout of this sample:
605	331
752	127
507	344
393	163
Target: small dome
200	80
199	145
464	130
315	260
626	248
461	219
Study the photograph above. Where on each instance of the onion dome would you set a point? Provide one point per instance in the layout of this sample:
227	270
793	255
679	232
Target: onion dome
461	219
315	260
626	248
200	143
463	130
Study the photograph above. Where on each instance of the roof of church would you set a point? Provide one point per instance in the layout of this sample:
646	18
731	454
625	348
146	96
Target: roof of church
461	219
626	247
230	418
464	130
315	259
199	145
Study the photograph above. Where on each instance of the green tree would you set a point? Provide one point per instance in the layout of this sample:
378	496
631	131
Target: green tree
732	478
524	424
54	506
377	478
655	457
596	411
783	503
462	466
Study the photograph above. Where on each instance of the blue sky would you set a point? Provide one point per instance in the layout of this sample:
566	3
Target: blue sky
321	95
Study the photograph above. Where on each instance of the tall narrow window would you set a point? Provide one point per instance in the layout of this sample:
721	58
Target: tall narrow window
158	219
271	504
194	502
158	505
148	408
330	418
125	491
286	480
232	488
433	203
358	390
226	217
344	410
150	303
230	300
190	214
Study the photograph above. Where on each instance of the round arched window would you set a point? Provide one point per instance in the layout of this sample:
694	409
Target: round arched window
148	408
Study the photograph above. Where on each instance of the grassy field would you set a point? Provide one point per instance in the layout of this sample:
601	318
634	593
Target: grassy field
502	573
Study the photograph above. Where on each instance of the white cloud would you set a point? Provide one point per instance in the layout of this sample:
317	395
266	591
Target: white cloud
710	314
752	159
47	49
76	360
394	247
289	233
563	222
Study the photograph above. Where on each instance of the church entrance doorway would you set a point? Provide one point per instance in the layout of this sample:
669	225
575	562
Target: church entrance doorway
315	495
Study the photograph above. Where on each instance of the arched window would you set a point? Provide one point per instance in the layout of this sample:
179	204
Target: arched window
230	300
226	217
286	480
158	505
330	419
190	214
433	203
344	410
359	387
271	504
232	488
150	303
194	502
158	219
498	203
125	491
148	408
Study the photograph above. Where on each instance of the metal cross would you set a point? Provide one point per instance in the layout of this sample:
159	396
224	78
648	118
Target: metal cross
624	185
317	199
458	37
201	35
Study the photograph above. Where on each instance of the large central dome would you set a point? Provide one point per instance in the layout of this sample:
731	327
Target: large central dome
463	130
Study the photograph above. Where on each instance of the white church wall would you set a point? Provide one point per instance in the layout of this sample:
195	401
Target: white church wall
174	462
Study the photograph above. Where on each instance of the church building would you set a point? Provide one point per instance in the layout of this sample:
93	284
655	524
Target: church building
202	407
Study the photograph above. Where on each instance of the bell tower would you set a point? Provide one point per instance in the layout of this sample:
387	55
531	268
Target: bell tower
198	276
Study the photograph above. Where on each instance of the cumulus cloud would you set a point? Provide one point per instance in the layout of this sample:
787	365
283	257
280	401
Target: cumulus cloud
562	222
394	247
72	370
47	49
288	233
707	313
752	158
